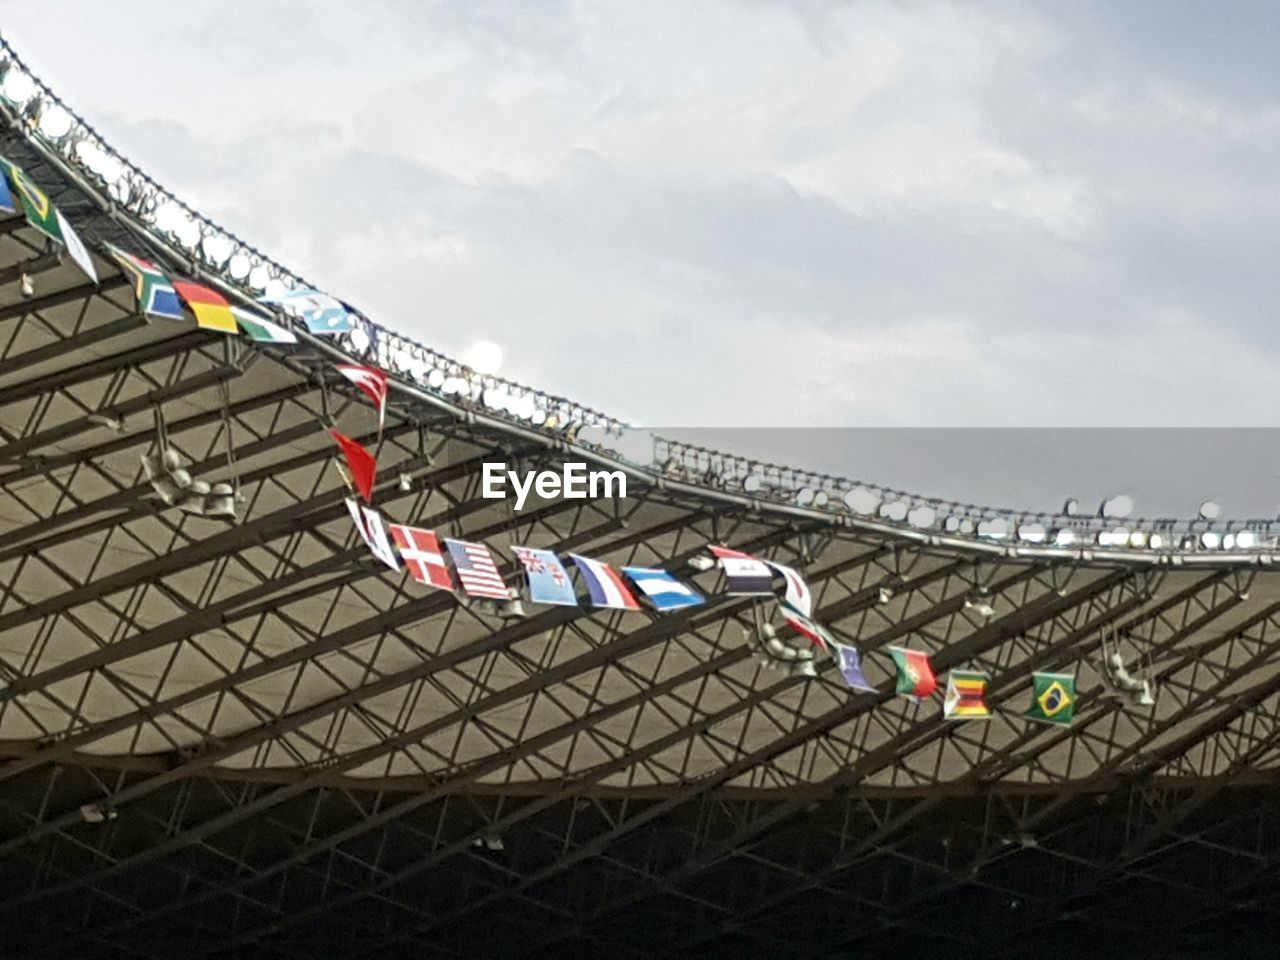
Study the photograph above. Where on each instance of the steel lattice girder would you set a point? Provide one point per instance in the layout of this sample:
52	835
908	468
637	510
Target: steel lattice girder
302	748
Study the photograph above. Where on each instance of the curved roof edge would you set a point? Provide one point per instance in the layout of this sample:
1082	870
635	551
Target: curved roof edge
216	255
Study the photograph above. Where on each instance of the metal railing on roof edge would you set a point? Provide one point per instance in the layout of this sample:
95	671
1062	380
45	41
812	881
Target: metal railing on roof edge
50	124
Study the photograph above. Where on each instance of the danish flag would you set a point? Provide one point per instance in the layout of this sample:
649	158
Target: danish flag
373	383
420	551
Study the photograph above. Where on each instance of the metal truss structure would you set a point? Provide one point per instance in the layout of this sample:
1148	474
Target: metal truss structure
250	740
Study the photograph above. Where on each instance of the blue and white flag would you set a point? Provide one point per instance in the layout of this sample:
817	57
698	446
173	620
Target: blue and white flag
850	661
663	590
321	313
7	202
548	579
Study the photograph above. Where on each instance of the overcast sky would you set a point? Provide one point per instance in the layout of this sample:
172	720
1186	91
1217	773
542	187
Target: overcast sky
711	213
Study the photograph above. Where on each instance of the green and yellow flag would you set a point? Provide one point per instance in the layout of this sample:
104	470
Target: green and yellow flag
1053	698
35	202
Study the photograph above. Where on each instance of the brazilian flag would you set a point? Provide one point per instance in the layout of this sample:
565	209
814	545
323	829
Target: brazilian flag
1053	698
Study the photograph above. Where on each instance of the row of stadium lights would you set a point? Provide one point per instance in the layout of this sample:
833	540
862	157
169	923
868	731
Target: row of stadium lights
55	123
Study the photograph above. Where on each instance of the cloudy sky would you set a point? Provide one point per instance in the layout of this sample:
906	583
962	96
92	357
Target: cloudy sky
711	213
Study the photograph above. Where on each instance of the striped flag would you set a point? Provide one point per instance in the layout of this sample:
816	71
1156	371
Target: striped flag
662	589
796	595
261	329
476	570
420	551
745	575
548	579
372	530
155	294
373	383
212	310
966	696
604	586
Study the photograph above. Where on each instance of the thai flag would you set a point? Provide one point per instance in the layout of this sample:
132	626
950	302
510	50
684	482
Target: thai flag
663	590
745	575
604	586
476	570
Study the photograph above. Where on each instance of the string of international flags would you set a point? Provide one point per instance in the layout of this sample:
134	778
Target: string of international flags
468	569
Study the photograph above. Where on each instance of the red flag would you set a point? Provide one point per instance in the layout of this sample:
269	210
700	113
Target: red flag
373	383
364	466
420	550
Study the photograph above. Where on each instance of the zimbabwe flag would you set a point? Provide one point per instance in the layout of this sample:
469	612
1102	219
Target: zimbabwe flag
966	697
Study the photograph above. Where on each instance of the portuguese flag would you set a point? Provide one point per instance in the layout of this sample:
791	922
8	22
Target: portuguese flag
1053	698
915	673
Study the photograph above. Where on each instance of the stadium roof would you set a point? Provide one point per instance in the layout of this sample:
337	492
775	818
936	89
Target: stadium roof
251	739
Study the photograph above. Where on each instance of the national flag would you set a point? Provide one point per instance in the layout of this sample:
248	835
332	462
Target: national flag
664	591
75	247
261	329
372	383
850	662
372	530
915	673
476	570
604	586
36	204
796	591
966	696
212	310
7	202
745	575
364	465
321	313
1053	698
155	294
806	626
422	556
548	579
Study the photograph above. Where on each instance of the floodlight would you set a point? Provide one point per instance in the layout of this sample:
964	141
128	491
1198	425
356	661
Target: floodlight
1064	537
922	517
753	483
1210	540
1072	507
1246	540
805	496
895	511
1031	532
862	500
1116	508
484	357
1210	510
